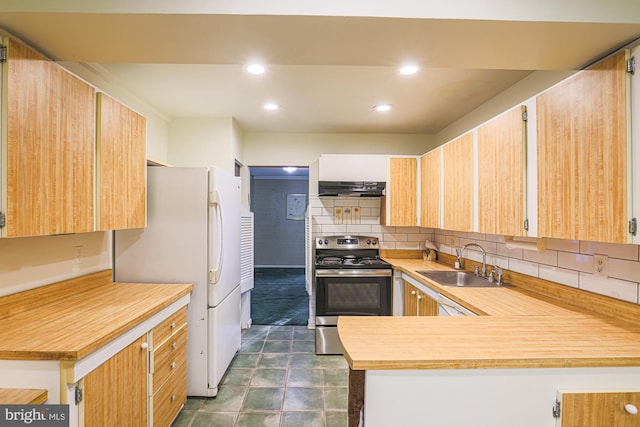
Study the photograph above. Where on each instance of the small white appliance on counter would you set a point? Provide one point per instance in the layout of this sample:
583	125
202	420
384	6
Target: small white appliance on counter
192	236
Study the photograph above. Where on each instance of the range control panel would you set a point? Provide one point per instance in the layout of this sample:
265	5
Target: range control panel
347	242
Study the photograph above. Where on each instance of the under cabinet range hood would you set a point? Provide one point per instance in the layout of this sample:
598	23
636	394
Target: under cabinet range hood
350	189
355	175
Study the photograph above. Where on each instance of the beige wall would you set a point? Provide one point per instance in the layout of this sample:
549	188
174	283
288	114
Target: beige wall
301	149
29	262
203	141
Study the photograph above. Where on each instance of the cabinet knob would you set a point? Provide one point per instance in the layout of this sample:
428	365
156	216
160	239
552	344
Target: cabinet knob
173	365
173	325
174	345
419	297
413	292
173	397
631	408
144	345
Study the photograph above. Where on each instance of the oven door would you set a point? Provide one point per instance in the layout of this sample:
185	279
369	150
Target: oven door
360	292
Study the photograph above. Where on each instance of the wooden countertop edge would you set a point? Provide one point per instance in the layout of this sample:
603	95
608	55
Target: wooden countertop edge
23	396
94	282
378	365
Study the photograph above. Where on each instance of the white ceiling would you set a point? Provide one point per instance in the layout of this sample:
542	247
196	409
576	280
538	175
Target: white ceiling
325	71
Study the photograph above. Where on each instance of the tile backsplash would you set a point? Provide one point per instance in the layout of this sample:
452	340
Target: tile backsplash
568	262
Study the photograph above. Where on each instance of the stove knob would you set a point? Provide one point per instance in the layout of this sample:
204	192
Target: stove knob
319	241
368	241
374	242
326	241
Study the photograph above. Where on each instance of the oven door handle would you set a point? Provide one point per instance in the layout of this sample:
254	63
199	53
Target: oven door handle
364	272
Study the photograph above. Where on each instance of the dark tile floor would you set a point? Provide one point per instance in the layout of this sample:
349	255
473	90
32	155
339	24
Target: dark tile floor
276	380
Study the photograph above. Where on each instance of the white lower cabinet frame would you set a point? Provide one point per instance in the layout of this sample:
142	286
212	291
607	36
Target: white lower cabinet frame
61	378
480	397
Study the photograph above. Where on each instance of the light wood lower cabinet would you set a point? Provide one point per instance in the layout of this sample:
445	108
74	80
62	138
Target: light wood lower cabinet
417	303
168	369
143	384
115	393
605	409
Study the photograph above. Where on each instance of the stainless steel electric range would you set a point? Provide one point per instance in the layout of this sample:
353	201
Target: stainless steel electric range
351	280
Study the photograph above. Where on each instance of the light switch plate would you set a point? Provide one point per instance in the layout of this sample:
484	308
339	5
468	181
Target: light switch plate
601	265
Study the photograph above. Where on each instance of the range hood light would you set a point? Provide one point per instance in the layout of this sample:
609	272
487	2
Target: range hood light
255	69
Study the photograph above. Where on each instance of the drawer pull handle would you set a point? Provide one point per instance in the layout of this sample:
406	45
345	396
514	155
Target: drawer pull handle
144	345
631	409
173	325
173	397
174	345
173	365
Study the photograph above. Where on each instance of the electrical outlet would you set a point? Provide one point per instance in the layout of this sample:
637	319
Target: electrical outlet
79	253
355	215
601	265
337	216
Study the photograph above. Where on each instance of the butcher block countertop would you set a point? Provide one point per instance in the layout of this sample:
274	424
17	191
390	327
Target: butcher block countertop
513	330
71	319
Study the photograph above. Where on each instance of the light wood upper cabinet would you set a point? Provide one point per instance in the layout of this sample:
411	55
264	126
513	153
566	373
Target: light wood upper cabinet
49	146
458	169
501	169
430	170
400	203
121	147
582	145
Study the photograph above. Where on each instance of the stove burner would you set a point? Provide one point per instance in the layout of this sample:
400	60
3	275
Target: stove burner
349	260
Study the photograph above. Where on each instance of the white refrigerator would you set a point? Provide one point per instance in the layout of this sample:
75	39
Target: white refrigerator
192	236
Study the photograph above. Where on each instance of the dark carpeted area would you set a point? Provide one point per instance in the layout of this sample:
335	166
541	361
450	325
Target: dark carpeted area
279	297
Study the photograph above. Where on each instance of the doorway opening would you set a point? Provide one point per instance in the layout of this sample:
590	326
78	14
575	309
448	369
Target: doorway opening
278	200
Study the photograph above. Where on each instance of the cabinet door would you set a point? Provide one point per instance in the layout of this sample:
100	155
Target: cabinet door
121	146
115	393
410	300
599	409
501	169
427	306
582	148
458	184
430	170
50	139
400	202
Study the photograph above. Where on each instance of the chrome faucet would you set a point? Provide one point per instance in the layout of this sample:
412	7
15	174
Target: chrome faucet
497	271
484	258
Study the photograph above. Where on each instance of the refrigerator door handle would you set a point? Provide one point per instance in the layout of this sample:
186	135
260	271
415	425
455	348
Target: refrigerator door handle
214	200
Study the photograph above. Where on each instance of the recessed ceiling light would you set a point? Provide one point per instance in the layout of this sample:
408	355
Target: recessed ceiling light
271	106
409	69
382	107
255	69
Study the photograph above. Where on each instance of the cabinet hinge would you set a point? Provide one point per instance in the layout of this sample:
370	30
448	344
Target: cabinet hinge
631	65
3	53
526	224
78	395
633	226
556	409
525	116
1	220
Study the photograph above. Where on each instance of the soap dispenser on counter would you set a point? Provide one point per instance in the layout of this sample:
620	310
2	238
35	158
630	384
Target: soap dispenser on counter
430	251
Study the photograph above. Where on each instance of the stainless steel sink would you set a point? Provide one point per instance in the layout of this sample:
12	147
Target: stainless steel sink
457	278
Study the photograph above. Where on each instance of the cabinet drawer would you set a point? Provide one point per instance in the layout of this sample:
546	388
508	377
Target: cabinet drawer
165	329
168	401
168	357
